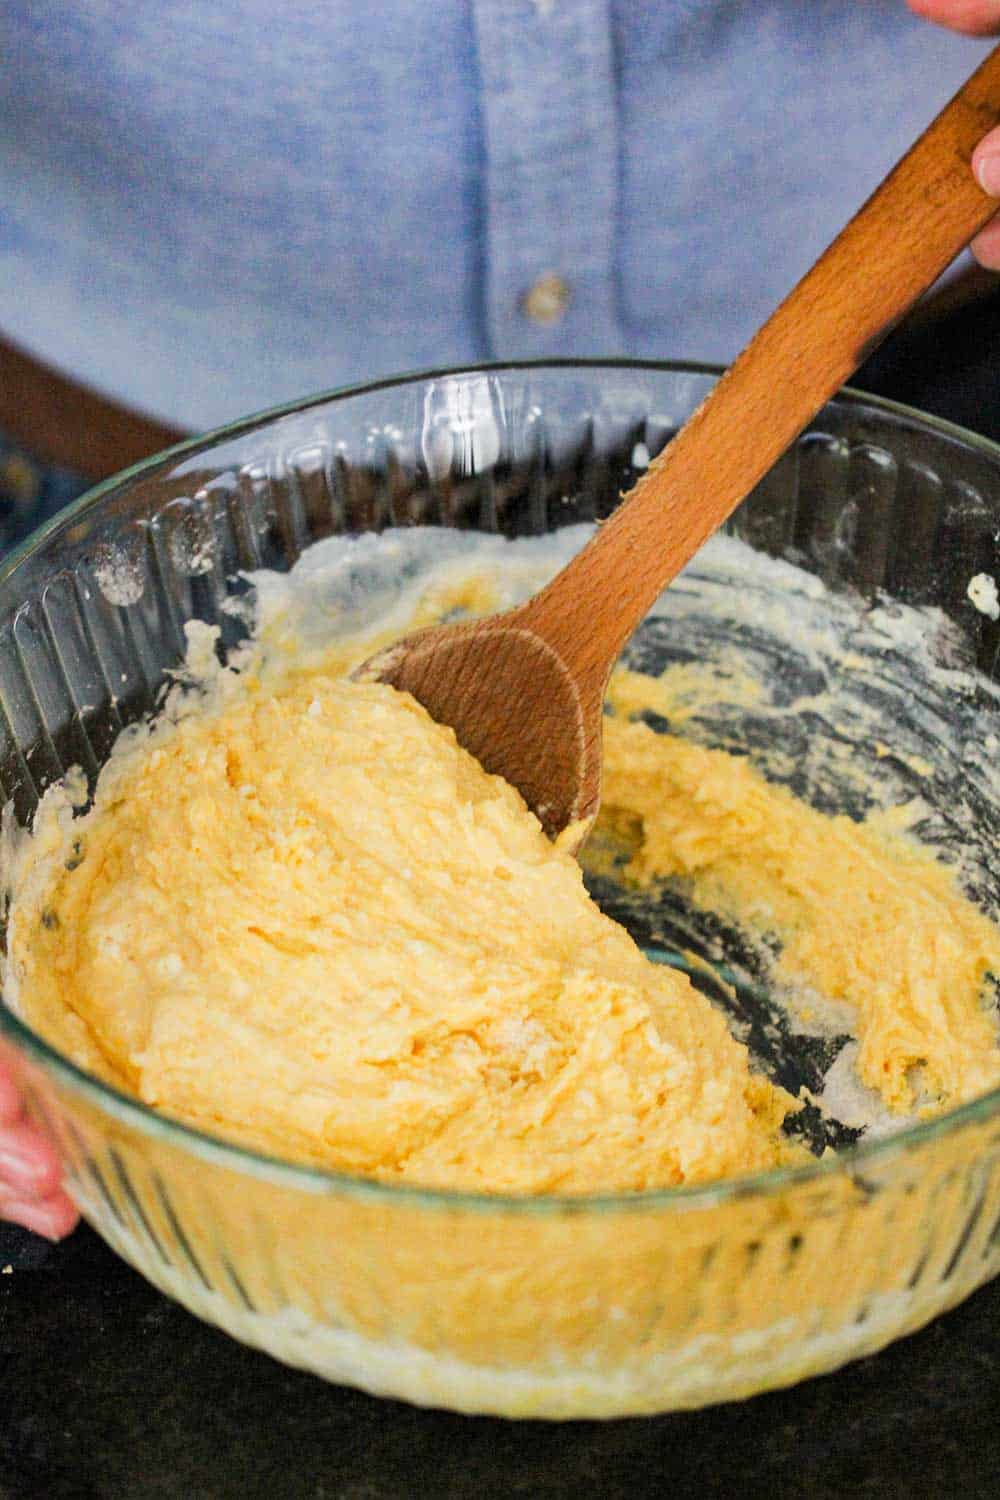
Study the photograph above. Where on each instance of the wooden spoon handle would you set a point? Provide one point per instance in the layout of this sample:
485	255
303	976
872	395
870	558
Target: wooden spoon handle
911	227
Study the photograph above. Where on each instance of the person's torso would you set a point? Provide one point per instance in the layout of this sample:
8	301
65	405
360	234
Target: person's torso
205	209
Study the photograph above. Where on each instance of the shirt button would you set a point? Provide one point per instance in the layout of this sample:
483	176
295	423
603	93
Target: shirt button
548	300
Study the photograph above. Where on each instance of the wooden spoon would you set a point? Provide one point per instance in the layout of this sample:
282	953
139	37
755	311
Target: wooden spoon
524	690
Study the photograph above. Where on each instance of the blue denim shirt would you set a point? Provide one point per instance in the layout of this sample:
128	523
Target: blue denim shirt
206	208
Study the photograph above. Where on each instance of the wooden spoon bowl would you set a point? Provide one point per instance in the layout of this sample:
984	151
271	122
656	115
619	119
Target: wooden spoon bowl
524	690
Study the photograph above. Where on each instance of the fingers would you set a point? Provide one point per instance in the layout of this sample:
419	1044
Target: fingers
30	1177
986	246
10	1099
986	165
972	17
54	1216
30	1170
28	1164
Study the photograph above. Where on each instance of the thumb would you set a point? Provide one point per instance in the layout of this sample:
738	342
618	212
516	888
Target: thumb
986	165
972	17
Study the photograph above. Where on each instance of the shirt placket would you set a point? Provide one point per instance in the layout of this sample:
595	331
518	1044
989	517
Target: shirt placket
550	125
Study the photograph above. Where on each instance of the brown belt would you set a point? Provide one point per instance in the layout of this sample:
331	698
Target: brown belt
59	421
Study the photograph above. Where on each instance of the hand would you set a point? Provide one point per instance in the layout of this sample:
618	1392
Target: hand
974	18
30	1173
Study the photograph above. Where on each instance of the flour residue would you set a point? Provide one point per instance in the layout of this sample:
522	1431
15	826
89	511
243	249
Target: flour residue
982	592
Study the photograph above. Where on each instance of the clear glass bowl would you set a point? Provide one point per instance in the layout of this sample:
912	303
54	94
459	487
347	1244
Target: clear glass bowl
528	1307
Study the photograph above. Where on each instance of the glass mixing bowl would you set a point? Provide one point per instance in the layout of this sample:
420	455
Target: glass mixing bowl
530	1307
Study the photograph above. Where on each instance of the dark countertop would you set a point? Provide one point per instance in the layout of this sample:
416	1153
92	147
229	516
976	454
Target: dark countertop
112	1392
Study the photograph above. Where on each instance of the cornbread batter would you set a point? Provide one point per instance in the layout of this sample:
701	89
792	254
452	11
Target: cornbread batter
863	915
310	921
299	916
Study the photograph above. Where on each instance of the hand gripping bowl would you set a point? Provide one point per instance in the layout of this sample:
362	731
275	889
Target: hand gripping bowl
544	1307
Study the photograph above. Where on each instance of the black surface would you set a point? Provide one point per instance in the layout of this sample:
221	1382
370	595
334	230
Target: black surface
110	1392
952	370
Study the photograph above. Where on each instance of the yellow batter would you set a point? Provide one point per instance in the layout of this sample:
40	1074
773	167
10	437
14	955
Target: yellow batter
311	922
305	919
863	914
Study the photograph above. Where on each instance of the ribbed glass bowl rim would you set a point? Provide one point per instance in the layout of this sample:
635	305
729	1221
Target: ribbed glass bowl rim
320	1180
